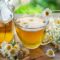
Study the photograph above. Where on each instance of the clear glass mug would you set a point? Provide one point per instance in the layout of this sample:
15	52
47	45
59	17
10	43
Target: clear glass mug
31	37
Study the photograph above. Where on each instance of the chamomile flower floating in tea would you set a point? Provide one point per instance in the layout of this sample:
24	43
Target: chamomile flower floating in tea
30	22
50	53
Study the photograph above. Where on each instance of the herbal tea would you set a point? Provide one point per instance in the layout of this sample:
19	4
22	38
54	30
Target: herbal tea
6	33
31	31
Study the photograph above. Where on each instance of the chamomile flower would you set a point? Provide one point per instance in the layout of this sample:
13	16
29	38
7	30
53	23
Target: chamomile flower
4	44
50	53
3	48
12	52
16	46
8	47
47	12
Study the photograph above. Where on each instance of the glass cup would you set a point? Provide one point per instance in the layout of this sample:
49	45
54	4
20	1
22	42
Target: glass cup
30	30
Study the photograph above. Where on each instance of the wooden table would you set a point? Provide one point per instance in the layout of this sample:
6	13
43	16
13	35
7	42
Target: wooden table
40	54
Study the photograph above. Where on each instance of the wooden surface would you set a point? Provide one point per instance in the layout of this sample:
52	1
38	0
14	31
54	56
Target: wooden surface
40	54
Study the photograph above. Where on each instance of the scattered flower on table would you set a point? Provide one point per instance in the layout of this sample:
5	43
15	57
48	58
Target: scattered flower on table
50	53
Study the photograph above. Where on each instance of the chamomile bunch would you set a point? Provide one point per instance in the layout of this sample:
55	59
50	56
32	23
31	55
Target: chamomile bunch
8	50
13	51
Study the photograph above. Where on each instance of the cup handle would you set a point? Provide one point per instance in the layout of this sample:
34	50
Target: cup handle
47	40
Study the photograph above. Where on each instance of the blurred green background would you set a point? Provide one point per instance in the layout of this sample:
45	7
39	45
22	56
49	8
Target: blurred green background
37	6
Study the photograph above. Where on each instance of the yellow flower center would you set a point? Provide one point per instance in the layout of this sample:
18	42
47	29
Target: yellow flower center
47	13
12	51
15	46
8	47
50	52
57	21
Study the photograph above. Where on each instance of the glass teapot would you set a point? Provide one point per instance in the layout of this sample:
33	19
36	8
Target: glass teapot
6	17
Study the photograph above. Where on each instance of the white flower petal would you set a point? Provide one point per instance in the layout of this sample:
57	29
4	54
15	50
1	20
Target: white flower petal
47	10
